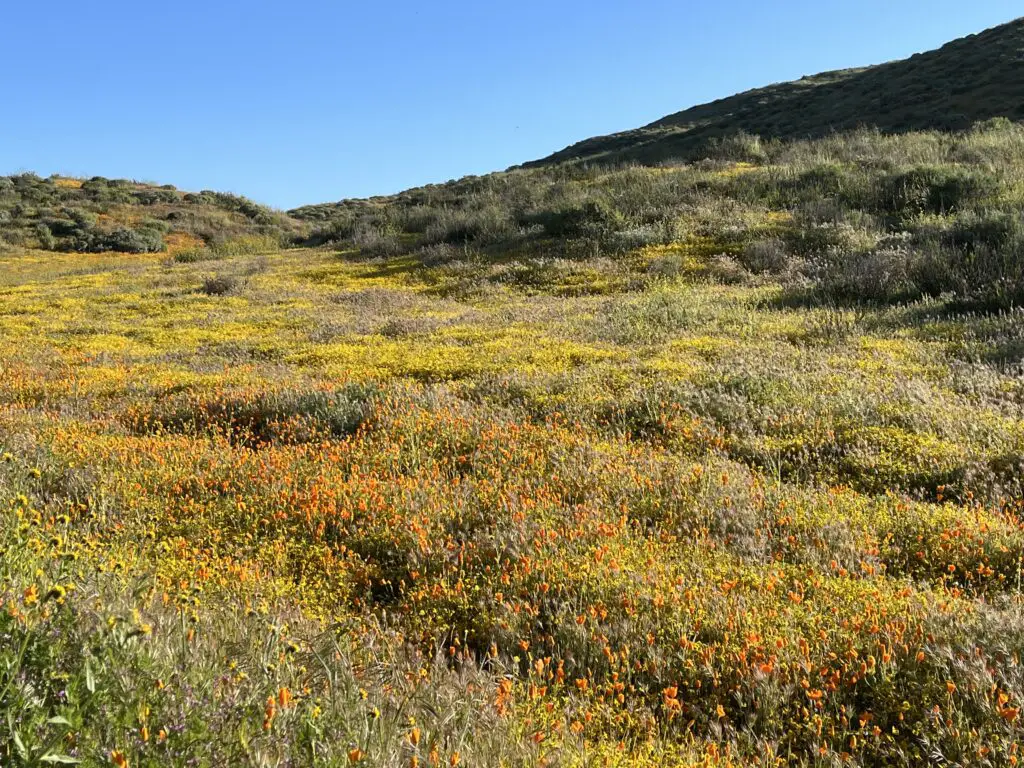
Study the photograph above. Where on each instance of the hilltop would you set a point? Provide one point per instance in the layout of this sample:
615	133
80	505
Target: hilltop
968	80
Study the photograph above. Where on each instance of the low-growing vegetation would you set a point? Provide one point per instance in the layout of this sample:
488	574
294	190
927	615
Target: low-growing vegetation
714	463
853	218
101	215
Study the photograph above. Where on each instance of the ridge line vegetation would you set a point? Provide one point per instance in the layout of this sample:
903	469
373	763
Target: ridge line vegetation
966	81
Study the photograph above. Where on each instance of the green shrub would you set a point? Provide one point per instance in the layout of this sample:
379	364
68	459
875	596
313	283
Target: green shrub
934	189
765	256
937	270
220	285
372	242
63	227
335	231
247	245
474	226
873	276
45	237
440	253
994	278
737	147
195	255
594	218
125	240
989	229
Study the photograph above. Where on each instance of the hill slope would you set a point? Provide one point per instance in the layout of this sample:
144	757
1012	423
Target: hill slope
965	81
716	465
609	439
98	215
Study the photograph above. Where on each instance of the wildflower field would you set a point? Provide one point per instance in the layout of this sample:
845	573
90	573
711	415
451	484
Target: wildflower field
392	503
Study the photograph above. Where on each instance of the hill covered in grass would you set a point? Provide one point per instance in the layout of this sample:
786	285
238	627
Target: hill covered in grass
969	80
716	464
713	463
98	215
851	218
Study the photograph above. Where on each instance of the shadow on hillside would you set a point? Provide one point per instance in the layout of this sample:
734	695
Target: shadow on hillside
972	332
966	81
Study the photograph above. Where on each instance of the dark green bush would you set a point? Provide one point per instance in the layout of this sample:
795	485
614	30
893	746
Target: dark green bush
124	240
106	191
593	218
934	189
989	229
979	260
84	218
153	196
765	256
936	270
875	276
63	227
45	237
847	186
994	278
461	227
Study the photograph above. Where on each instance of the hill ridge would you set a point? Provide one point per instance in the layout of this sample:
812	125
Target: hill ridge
967	80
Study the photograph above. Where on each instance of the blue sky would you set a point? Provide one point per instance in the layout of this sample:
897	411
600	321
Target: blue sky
315	100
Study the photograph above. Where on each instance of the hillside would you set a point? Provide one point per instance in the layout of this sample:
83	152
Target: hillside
852	218
711	465
715	464
969	80
98	215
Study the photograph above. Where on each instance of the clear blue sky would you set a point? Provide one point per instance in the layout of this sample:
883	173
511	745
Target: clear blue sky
314	100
